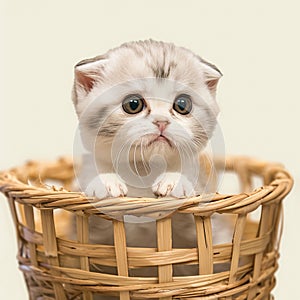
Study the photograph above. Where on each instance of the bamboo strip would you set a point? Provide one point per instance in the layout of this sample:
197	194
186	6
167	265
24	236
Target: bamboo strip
205	245
263	227
12	207
82	222
121	253
29	218
164	243
49	238
237	239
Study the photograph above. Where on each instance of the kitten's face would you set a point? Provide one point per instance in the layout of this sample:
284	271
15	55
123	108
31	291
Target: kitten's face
151	96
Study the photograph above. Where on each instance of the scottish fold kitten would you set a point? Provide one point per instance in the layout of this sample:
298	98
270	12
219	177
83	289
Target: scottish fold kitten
151	98
146	111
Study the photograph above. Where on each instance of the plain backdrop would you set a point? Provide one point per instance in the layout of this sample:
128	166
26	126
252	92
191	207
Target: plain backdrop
254	43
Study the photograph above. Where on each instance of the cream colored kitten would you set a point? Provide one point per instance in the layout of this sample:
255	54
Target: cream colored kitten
154	98
146	111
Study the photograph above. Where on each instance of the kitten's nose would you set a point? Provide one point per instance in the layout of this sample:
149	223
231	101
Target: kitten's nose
161	124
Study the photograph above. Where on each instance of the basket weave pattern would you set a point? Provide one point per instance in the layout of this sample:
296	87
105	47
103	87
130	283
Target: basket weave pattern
56	267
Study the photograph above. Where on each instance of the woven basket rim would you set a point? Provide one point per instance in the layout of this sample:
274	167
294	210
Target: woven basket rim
278	183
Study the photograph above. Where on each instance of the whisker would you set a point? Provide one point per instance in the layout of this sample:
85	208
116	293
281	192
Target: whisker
120	151
145	165
135	161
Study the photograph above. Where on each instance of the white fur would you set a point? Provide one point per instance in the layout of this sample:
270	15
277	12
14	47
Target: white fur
174	184
106	185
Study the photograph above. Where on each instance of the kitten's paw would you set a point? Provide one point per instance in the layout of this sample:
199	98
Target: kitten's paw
173	184
106	185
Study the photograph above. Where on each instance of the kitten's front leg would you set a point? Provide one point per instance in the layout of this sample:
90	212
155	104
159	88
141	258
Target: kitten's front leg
106	185
173	184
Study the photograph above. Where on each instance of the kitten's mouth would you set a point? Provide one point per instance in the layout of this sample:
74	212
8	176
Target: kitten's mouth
160	139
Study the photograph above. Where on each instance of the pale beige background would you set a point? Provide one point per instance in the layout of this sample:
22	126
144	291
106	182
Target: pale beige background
255	44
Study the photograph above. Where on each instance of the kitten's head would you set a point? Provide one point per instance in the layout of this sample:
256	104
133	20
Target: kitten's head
150	94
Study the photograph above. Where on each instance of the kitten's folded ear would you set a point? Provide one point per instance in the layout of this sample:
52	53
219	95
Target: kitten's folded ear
212	75
87	73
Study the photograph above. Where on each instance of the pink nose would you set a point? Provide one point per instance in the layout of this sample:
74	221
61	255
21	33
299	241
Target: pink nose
161	125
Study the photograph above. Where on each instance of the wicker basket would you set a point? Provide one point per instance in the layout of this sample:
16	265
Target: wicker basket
56	267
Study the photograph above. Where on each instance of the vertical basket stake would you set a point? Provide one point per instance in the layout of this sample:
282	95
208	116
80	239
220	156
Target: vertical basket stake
164	243
50	244
121	253
263	227
82	222
205	244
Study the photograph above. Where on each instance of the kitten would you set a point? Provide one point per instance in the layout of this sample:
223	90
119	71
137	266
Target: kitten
154	98
146	111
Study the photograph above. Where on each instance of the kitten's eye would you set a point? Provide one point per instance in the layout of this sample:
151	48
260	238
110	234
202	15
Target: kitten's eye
183	104
133	104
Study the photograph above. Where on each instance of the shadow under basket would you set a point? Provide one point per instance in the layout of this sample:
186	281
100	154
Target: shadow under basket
59	266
